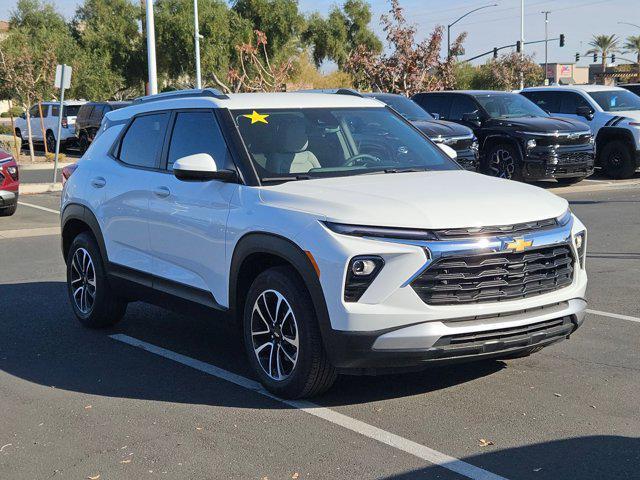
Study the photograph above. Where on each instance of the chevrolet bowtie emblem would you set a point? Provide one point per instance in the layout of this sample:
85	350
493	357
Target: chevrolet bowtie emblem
519	244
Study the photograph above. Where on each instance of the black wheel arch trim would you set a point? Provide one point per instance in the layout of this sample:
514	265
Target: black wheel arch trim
608	133
76	211
290	252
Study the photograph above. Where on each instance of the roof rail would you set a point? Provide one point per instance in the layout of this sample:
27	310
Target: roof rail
204	92
338	91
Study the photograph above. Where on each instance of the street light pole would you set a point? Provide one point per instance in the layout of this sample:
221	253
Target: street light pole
546	44
627	23
522	43
460	18
197	38
151	49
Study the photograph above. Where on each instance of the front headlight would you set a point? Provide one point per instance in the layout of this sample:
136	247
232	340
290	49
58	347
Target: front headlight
531	143
580	241
475	145
381	232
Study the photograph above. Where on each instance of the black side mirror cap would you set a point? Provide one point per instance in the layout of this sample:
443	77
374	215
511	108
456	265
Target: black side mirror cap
471	117
585	112
227	176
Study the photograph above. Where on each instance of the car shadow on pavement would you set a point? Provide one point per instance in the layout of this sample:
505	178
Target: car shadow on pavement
42	342
585	458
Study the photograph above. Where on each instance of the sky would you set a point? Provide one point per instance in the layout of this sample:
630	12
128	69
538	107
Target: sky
490	27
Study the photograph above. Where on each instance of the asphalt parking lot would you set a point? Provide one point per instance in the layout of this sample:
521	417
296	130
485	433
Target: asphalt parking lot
165	395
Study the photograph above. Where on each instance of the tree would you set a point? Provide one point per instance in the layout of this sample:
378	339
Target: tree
25	72
221	29
113	56
411	66
342	32
279	20
603	45
504	73
632	46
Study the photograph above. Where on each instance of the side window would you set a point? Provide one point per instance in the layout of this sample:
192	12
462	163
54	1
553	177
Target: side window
34	111
435	103
96	113
461	104
143	140
55	110
84	113
570	103
198	132
548	101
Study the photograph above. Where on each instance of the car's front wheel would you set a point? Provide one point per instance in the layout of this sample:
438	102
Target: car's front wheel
503	161
282	336
92	299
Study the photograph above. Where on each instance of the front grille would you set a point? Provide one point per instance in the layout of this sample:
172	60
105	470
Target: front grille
494	277
564	140
512	229
574	158
461	144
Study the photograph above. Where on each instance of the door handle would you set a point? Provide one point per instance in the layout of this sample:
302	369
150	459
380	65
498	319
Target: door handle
162	192
98	182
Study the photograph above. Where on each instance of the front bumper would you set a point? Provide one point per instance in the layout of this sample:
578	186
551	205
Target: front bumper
543	163
8	198
468	159
459	340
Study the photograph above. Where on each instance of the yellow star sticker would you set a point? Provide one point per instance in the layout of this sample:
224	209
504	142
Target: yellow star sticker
256	117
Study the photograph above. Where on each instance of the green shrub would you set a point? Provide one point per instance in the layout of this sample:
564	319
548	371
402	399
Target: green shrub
16	111
5	129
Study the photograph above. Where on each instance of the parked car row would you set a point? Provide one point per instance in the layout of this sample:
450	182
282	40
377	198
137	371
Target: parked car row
80	122
9	184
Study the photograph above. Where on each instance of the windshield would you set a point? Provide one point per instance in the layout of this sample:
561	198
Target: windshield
509	105
324	142
405	107
616	100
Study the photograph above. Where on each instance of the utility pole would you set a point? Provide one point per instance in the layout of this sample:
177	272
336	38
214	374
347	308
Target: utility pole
522	43
546	44
151	48
197	39
460	18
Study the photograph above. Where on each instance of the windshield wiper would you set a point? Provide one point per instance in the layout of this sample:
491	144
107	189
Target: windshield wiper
285	179
405	170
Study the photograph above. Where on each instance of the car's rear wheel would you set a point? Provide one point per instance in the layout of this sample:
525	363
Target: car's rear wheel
51	141
92	300
617	160
503	161
282	336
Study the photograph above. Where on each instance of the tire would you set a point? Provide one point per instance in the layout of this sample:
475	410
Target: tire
8	211
83	143
565	182
18	133
503	160
105	309
617	160
51	142
304	371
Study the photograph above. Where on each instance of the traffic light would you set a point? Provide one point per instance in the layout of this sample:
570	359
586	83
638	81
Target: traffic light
595	58
577	57
518	46
562	39
613	58
495	52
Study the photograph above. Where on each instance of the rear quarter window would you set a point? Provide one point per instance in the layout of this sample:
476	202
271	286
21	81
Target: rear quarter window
142	142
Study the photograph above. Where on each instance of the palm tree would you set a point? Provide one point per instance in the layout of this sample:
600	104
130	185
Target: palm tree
603	45
632	45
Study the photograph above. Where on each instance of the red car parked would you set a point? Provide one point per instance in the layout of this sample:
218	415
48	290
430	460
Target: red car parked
9	183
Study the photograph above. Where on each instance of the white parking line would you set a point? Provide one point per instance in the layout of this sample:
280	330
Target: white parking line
614	315
425	453
51	210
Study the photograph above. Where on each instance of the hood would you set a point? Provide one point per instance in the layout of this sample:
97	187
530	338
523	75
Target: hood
540	124
633	115
443	199
437	128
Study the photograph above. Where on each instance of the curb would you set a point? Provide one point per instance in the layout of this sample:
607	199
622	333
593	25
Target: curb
42	166
605	185
33	188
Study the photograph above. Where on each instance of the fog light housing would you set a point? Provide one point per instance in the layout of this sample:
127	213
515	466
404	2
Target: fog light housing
13	171
475	145
580	241
531	143
361	273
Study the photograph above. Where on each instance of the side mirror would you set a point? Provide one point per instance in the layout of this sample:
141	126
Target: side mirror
585	112
471	117
451	153
435	115
23	116
201	167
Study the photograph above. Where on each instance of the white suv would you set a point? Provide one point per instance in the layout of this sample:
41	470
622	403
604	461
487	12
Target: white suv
50	114
337	235
612	113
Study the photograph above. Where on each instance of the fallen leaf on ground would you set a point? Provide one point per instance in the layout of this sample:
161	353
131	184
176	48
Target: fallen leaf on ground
485	443
537	469
295	475
88	407
94	477
5	446
198	428
128	460
557	395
